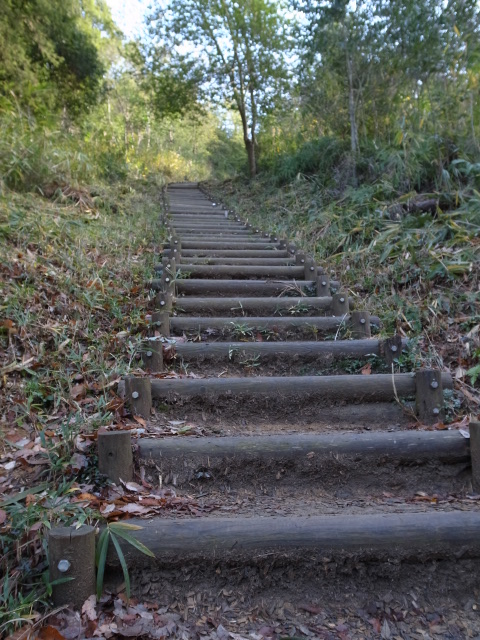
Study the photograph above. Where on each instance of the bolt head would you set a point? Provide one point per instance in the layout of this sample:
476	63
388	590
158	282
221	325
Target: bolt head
149	354
324	284
362	320
342	300
162	303
135	395
394	348
434	384
63	565
436	411
167	279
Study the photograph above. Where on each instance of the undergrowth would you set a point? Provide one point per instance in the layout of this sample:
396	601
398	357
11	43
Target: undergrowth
416	269
72	318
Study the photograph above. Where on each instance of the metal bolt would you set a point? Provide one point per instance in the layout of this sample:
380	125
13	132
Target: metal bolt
149	354
436	411
275	239
63	565
257	230
302	260
342	299
312	268
362	320
135	395
324	284
434	384
175	241
167	279
394	348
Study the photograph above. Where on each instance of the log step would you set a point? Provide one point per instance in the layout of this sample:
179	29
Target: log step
372	536
200	244
239	261
351	388
308	350
242	271
227	253
258	306
205	287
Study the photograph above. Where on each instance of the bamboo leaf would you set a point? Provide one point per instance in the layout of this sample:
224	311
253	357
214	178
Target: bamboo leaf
102	559
123	563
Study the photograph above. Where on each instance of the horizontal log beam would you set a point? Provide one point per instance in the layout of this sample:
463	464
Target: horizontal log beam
250	323
445	446
373	532
354	388
242	271
325	350
200	244
238	287
239	253
248	305
238	261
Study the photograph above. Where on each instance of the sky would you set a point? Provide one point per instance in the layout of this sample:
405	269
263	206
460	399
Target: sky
129	14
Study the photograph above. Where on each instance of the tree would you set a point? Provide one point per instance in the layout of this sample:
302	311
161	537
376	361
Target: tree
239	48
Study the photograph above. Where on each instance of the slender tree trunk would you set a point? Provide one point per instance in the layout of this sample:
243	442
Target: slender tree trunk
252	160
351	109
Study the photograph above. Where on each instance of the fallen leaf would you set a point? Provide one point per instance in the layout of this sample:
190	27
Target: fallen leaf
50	633
78	391
366	370
3	516
89	608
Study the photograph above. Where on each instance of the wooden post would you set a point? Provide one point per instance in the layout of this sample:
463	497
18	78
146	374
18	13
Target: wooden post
152	356
164	301
392	349
161	320
300	258
360	325
115	457
475	454
429	392
323	285
339	304
71	554
310	268
291	248
139	395
273	237
282	243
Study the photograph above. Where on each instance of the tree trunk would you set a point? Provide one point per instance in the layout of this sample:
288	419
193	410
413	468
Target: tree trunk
252	160
351	109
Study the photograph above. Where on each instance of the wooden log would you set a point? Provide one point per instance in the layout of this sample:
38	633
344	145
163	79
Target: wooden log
161	321
242	271
367	534
138	392
429	395
308	350
354	388
392	349
445	446
323	285
238	261
340	304
310	268
115	457
208	226
212	253
360	324
221	233
163	302
300	258
251	323
232	287
152	356
204	244
249	305
475	454
71	554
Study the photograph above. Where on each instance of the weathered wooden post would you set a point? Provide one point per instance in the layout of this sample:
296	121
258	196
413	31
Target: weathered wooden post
152	356
429	395
323	285
164	301
310	268
71	554
392	349
138	392
360	325
282	243
339	304
115	457
161	320
291	248
475	454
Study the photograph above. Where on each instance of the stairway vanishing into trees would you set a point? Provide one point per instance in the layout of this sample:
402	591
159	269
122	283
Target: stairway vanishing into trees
311	454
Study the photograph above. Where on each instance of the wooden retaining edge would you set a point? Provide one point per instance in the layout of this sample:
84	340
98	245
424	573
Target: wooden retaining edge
227	253
208	226
238	261
445	446
218	237
280	323
374	532
245	271
226	245
354	388
238	287
326	349
190	304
